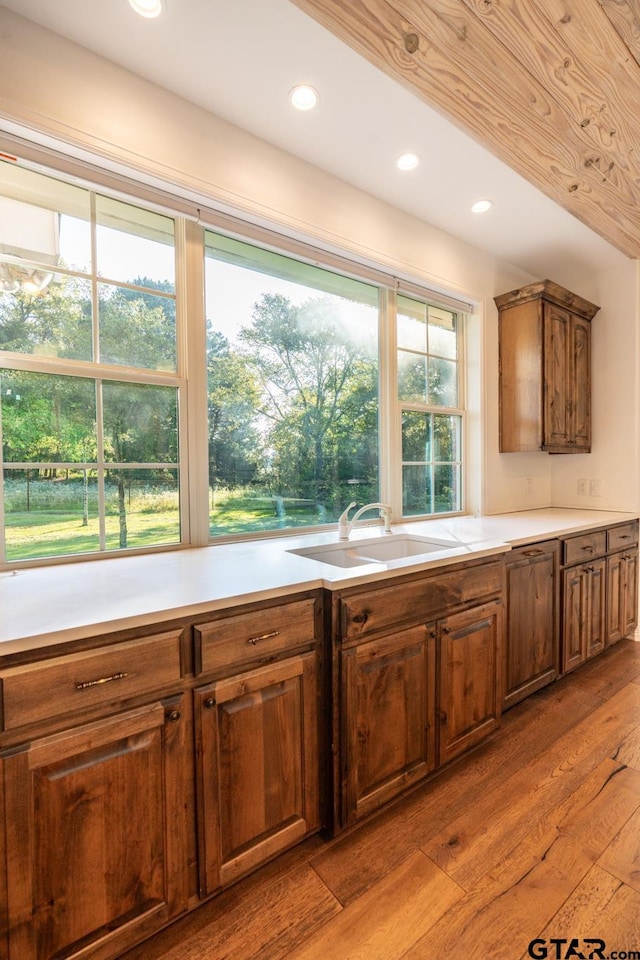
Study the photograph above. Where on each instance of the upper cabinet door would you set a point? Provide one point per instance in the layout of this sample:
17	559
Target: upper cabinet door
557	377
581	383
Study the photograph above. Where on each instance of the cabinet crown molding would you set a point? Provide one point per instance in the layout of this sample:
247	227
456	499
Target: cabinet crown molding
553	292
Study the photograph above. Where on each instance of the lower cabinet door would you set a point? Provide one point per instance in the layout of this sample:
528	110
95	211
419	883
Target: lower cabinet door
96	828
622	595
258	767
389	718
630	617
532	636
583	612
470	649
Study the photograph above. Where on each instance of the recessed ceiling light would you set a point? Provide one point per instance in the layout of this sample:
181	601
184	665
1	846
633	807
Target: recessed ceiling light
481	206
303	97
147	8
408	161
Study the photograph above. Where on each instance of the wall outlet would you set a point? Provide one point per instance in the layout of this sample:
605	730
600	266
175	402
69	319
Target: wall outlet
596	488
583	488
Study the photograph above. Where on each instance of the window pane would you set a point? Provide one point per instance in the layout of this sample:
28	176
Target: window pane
293	391
412	377
47	418
443	383
416	490
412	324
416	436
137	329
446	488
53	323
140	423
446	438
43	219
53	515
142	508
443	333
75	243
134	245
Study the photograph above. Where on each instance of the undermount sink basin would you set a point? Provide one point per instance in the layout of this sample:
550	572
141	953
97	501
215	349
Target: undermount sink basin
393	547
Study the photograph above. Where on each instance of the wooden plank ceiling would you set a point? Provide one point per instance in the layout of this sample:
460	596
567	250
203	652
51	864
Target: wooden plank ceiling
551	87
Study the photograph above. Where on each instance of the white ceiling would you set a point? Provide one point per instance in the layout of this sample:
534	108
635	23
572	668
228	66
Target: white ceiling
240	58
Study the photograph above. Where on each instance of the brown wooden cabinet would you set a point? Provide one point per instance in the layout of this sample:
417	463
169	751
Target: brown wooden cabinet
599	593
622	582
257	738
532	633
584	607
94	812
389	717
469	702
416	679
545	369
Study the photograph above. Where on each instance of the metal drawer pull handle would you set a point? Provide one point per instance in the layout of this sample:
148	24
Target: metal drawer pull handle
264	636
590	549
96	683
533	553
625	536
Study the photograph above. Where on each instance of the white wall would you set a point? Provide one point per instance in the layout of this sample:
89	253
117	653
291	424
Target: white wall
615	364
63	91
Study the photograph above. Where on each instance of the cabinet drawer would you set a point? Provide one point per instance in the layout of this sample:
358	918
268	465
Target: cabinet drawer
624	536
253	636
531	552
418	600
38	691
585	547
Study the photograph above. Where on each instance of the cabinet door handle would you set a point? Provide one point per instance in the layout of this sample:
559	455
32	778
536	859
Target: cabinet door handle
85	684
446	629
263	636
588	549
210	702
533	553
173	716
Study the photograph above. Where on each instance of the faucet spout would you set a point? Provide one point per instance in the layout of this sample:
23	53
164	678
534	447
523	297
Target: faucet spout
345	525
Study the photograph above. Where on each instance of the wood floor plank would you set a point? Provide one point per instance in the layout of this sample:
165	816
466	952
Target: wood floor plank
622	856
592	814
499	917
609	672
267	924
629	751
600	906
538	796
389	918
598	819
356	861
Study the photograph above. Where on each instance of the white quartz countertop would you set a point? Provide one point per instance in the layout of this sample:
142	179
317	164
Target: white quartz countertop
41	606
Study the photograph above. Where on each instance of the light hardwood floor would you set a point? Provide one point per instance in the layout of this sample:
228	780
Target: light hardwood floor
535	835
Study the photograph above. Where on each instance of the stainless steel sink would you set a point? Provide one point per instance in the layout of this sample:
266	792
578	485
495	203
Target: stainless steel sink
393	547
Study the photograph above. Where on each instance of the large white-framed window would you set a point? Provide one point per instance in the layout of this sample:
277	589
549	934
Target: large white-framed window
430	390
167	381
293	388
90	372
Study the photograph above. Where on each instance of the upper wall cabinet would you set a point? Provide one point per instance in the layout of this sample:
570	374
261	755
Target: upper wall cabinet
545	369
